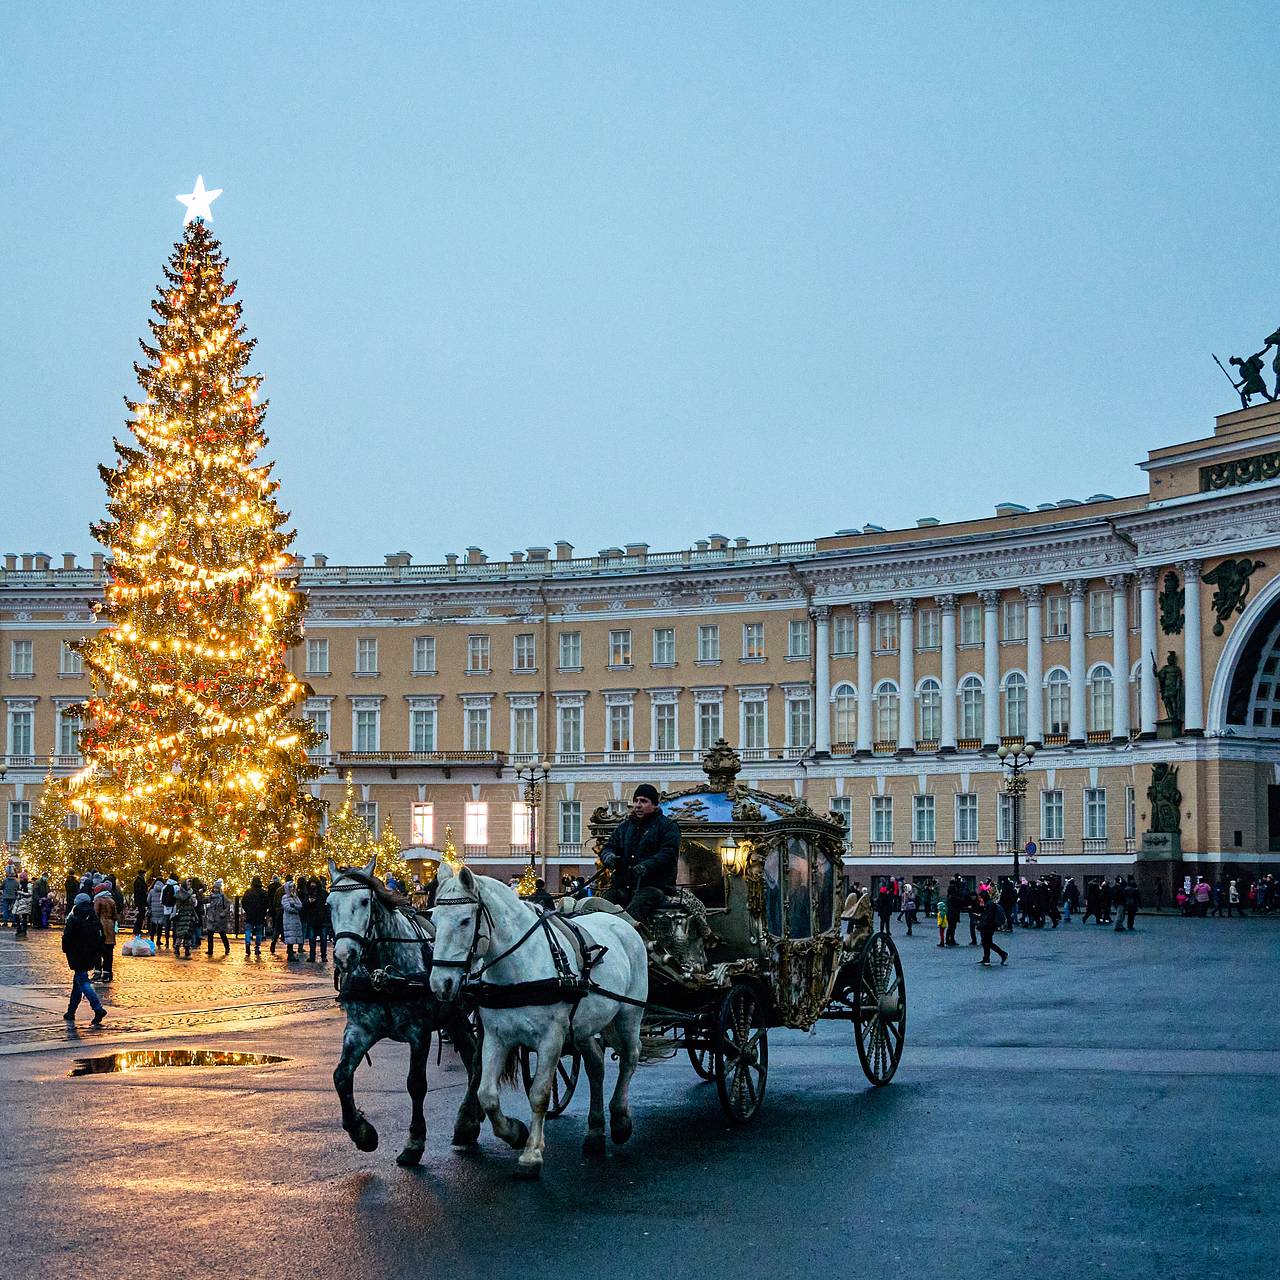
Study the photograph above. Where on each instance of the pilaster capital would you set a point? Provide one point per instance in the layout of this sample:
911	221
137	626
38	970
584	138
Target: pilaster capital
1118	581
990	599
946	603
1076	588
864	609
820	612
1190	568
1147	578
1032	593
905	607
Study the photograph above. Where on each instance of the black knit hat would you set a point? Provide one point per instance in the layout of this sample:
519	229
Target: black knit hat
646	791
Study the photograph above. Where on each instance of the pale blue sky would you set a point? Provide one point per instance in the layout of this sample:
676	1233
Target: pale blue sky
612	272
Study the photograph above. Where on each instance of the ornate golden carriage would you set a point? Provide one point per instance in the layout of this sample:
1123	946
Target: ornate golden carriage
760	878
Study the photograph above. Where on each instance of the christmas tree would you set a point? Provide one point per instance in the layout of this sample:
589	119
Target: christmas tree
47	846
350	842
195	751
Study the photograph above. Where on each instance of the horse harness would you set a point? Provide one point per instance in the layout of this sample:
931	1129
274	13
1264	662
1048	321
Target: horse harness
368	940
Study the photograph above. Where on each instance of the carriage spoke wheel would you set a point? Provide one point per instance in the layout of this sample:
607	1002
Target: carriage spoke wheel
879	999
702	1056
741	1056
564	1079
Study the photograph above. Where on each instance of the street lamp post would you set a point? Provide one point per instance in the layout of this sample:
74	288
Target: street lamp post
1016	760
534	776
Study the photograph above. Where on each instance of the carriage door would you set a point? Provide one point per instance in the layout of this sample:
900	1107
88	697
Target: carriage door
799	889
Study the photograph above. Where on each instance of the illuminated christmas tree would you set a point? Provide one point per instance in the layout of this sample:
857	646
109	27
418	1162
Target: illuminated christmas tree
350	842
47	845
194	747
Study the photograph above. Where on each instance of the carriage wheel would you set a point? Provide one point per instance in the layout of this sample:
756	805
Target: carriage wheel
879	999
702	1055
564	1079
741	1055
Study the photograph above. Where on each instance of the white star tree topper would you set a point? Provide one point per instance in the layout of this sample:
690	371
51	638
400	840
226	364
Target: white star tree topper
198	202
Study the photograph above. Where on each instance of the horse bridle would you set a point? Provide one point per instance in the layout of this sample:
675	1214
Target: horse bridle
368	939
482	914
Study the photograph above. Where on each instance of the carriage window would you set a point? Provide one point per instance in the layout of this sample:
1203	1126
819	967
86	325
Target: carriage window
772	872
825	893
799	921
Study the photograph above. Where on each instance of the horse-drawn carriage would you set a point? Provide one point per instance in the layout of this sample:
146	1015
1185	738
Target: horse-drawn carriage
751	941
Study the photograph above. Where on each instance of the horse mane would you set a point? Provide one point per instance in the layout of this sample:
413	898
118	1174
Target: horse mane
392	901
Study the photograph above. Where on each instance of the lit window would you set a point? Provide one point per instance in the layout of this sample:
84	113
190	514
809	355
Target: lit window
475	820
520	825
752	641
422	823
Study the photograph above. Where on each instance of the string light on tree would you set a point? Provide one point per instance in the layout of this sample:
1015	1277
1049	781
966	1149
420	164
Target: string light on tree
350	841
193	744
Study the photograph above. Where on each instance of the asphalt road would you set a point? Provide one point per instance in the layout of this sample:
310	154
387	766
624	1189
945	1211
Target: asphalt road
1104	1105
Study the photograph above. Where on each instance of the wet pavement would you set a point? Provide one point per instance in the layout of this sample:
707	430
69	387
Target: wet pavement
1105	1104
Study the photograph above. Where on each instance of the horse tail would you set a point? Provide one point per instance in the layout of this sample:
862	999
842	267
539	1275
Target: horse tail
510	1071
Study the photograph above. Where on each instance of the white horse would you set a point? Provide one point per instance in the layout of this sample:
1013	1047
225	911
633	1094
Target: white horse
487	933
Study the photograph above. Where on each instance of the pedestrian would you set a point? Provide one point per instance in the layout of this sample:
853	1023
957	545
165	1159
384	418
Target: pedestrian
955	906
168	909
909	906
253	910
39	892
9	893
82	945
155	910
22	907
72	887
973	910
988	923
275	890
540	897
315	914
884	908
291	920
1070	899
1132	901
1233	899
140	897
1009	903
942	922
1104	901
185	908
217	918
104	906
1201	894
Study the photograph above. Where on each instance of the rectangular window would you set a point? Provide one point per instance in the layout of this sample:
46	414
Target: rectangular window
1095	813
70	663
843	807
798	638
368	810
843	632
1051	812
886	632
570	821
570	650
620	727
753	641
755	721
1056	616
68	734
664	647
476	729
19	819
477	655
924	823
422	728
966	816
799	722
422	823
20	658
710	717
1130	814
620	648
367	729
709	643
881	819
1004	818
20	732
319	717
367	656
317	657
570	730
524	653
475	823
1100	612
520	824
1014	622
970	624
524	731
929	629
424	655
664	727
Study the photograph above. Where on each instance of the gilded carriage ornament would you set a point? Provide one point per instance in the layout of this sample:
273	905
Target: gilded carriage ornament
1230	583
722	764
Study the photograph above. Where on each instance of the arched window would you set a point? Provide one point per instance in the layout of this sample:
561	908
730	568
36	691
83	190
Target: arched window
1101	699
930	710
886	698
1058	701
1015	704
844	704
971	701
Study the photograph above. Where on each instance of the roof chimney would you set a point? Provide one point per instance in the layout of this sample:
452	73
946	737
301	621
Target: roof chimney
68	559
319	560
476	556
564	550
99	563
538	554
517	557
10	560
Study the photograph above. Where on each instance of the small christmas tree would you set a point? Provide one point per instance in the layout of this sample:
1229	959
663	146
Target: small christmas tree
193	744
47	846
350	842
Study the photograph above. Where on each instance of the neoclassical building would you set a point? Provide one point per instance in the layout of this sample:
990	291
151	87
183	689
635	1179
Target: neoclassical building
874	671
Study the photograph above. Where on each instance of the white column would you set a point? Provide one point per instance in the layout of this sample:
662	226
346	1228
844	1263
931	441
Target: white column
1119	584
990	668
863	610
822	680
906	675
1193	674
1034	596
1147	621
1079	726
947	604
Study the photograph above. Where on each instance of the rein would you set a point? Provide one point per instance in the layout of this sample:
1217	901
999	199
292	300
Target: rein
369	940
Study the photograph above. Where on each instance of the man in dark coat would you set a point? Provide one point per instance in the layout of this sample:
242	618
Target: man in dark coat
72	887
642	853
957	896
82	945
1132	900
139	903
1104	902
1008	900
253	911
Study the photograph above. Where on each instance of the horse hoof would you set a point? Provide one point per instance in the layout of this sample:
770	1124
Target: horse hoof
528	1172
620	1129
410	1156
365	1136
521	1137
593	1144
465	1135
